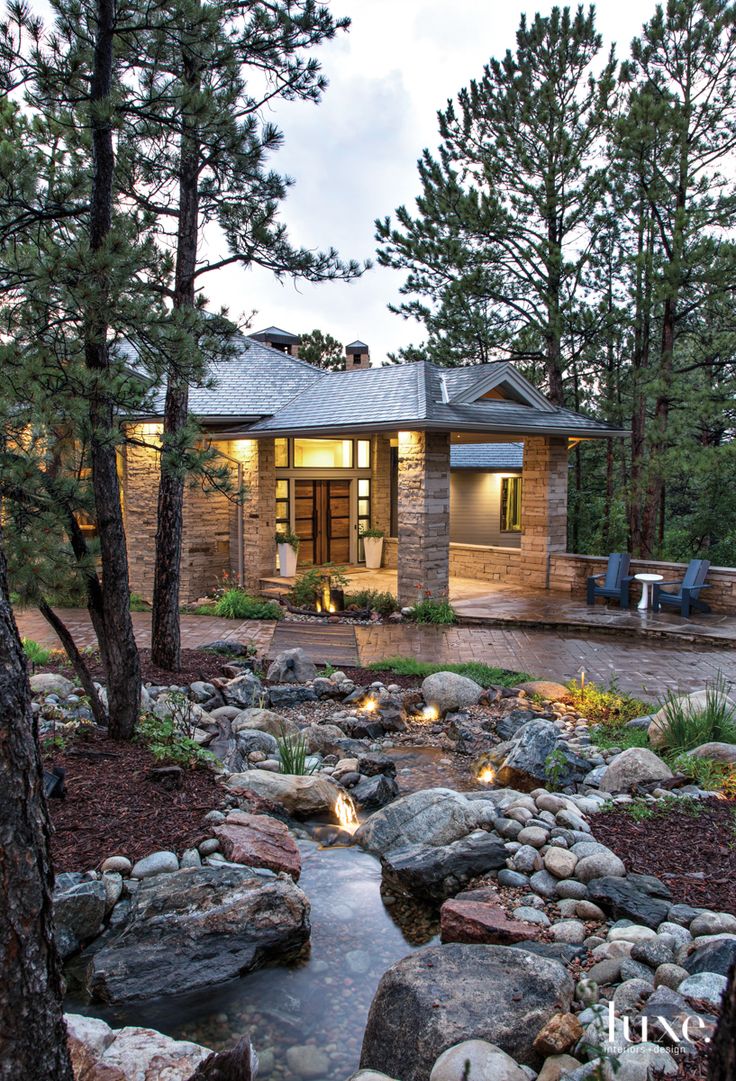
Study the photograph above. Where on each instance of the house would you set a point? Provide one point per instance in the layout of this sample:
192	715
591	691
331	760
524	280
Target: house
465	469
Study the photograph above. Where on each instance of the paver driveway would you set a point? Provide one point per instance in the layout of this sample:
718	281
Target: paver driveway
645	667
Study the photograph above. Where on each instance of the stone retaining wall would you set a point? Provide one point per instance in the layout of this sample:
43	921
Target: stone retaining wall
568	572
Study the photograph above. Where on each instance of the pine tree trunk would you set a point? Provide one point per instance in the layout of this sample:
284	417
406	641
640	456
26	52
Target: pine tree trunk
166	629
722	1063
32	1031
77	661
120	653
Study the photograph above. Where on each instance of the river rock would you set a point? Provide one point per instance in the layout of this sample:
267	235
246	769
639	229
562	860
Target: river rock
374	792
719	752
443	995
598	865
301	797
259	841
79	909
263	720
253	739
119	864
623	900
244	691
716	956
51	683
100	1053
477	921
547	689
434	816
689	704
559	1034
158	863
635	765
307	1061
478	1061
291	666
323	738
196	928
713	923
448	691
437	871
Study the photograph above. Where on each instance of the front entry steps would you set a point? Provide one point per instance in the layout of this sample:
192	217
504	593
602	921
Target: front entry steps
277	587
329	643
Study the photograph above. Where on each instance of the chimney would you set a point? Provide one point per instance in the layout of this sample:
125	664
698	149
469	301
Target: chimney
357	356
282	340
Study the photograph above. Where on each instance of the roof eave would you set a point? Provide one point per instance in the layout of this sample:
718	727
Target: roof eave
417	425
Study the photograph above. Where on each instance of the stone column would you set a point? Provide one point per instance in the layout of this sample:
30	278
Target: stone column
543	506
258	458
424	515
381	482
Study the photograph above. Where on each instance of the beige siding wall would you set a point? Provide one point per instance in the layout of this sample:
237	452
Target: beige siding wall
475	510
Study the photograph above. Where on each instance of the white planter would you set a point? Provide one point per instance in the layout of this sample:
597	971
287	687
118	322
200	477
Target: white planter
373	547
287	561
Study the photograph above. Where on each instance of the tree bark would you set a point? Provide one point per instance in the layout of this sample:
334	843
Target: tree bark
32	1031
722	1063
77	661
166	630
119	651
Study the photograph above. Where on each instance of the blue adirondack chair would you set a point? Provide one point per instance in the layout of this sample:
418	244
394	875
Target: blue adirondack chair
687	596
616	580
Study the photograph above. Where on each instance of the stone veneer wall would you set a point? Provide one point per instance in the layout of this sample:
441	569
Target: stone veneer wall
569	572
381	483
424	515
543	507
258	460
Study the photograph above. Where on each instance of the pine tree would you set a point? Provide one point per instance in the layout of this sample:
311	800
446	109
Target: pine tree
322	350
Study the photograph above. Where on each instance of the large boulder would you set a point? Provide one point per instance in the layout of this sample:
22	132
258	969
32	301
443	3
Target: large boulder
292	666
547	689
196	928
442	995
635	765
448	691
244	691
374	792
79	910
623	899
302	797
259	841
434	816
527	764
689	704
478	1061
435	872
101	1053
718	752
323	738
263	720
51	683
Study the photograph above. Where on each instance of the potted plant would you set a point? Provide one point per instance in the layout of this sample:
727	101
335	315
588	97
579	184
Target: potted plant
288	546
373	546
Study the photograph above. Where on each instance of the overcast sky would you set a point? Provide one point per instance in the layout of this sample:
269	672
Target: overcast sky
353	157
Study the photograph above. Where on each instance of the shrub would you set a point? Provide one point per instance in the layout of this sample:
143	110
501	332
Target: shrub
285	536
484	674
237	604
137	603
36	653
293	755
371	531
684	727
383	603
611	735
307	589
169	739
606	705
433	611
706	772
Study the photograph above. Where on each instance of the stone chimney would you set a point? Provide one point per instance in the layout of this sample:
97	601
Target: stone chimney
357	355
275	338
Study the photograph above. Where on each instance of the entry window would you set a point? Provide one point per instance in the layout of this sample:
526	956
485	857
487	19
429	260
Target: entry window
364	513
511	505
282	507
364	453
282	453
323	454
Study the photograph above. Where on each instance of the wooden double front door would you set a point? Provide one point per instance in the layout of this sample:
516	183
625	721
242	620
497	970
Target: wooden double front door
322	520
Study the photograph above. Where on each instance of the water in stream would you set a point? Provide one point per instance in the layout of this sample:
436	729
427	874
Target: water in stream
322	1000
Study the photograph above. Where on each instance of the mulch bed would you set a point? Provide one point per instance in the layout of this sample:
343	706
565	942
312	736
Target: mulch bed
114	808
691	851
196	664
363	677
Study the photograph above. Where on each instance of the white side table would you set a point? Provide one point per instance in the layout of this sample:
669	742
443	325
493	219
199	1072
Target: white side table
646	580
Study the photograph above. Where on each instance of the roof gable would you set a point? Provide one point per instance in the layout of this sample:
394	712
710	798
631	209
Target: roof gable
501	382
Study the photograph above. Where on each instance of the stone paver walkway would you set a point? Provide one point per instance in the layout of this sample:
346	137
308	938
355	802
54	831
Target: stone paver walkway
645	667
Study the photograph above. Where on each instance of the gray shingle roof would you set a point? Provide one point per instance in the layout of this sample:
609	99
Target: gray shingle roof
486	455
410	396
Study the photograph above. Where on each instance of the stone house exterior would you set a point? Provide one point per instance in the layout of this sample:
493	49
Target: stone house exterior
464	469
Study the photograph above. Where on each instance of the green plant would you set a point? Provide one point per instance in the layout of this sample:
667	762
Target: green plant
168	743
371	531
605	705
138	604
36	653
554	768
708	773
383	603
285	536
684	726
484	674
610	735
433	611
237	604
308	587
293	755
641	809
328	670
